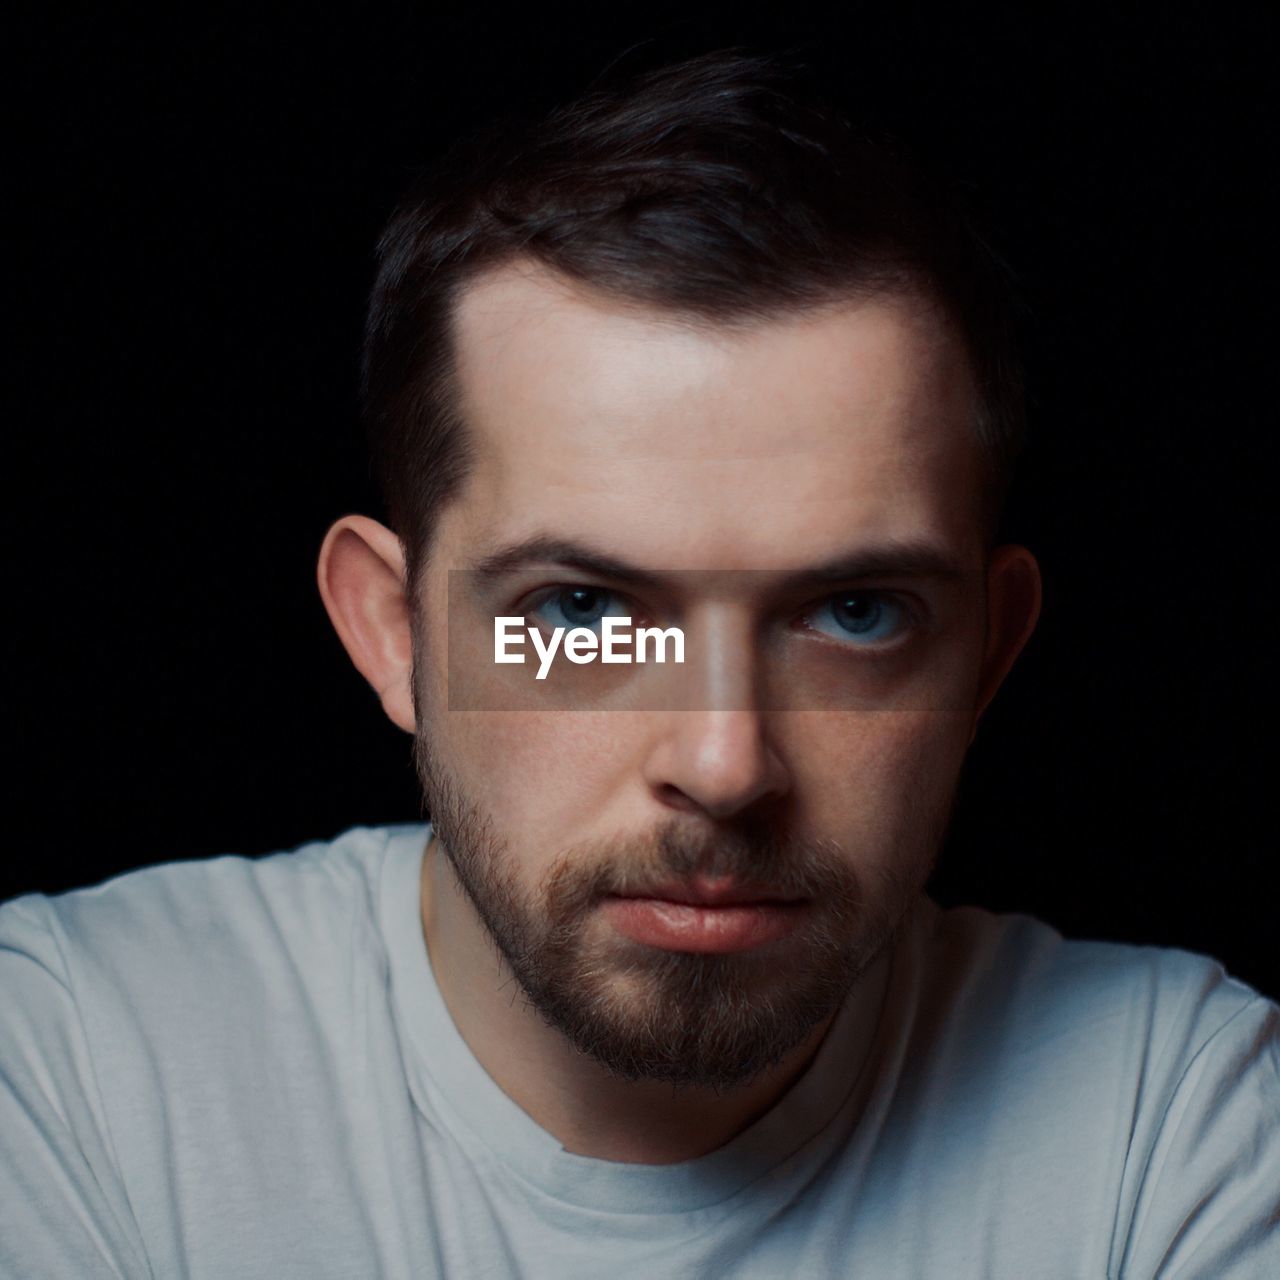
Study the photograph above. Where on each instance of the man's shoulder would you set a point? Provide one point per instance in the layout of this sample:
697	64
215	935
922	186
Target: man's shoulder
1007	987
218	1021
1132	1087
990	960
151	926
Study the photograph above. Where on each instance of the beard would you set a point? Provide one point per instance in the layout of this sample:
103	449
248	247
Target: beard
711	1020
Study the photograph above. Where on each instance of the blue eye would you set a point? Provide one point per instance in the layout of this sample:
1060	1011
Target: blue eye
859	617
578	607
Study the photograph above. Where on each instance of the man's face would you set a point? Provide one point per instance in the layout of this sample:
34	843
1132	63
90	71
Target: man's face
688	885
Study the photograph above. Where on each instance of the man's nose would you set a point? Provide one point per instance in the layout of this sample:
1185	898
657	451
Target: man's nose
715	762
712	753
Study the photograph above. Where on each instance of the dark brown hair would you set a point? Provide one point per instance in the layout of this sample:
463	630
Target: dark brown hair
723	189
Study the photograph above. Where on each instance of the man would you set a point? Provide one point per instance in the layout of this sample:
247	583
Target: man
659	992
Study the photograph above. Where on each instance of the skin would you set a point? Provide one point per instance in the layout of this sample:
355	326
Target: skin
772	446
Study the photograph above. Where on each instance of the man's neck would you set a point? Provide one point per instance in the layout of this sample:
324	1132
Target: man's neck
588	1109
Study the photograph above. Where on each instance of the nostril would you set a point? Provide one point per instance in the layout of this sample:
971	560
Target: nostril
671	795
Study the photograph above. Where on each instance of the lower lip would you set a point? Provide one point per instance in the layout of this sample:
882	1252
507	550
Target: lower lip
679	926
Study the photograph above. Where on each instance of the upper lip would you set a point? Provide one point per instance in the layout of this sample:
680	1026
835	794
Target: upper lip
717	893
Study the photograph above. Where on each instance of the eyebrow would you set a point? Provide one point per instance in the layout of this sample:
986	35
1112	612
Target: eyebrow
543	549
893	558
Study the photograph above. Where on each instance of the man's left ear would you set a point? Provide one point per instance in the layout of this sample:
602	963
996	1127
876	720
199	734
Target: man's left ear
361	575
1013	606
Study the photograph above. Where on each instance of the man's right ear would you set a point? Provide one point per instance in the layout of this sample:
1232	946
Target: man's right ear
361	574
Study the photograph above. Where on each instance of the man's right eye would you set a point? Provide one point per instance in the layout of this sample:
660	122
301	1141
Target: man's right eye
578	607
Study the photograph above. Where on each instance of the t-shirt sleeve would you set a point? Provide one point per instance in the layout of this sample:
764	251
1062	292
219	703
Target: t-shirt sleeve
63	1207
1209	1200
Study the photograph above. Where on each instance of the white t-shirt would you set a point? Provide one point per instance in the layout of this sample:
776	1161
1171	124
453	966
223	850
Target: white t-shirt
243	1068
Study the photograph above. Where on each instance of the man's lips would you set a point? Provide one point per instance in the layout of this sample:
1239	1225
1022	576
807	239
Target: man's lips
702	892
701	916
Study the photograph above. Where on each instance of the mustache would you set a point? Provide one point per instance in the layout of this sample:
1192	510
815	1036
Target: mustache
788	866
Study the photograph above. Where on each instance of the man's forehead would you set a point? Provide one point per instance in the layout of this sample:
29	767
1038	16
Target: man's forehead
612	417
512	321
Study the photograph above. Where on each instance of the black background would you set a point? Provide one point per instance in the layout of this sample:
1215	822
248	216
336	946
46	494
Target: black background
200	196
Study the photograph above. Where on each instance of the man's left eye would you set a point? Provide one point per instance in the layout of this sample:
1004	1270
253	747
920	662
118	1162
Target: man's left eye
578	607
859	617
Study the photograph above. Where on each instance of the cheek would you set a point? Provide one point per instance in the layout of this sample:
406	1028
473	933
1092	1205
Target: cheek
879	781
544	778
